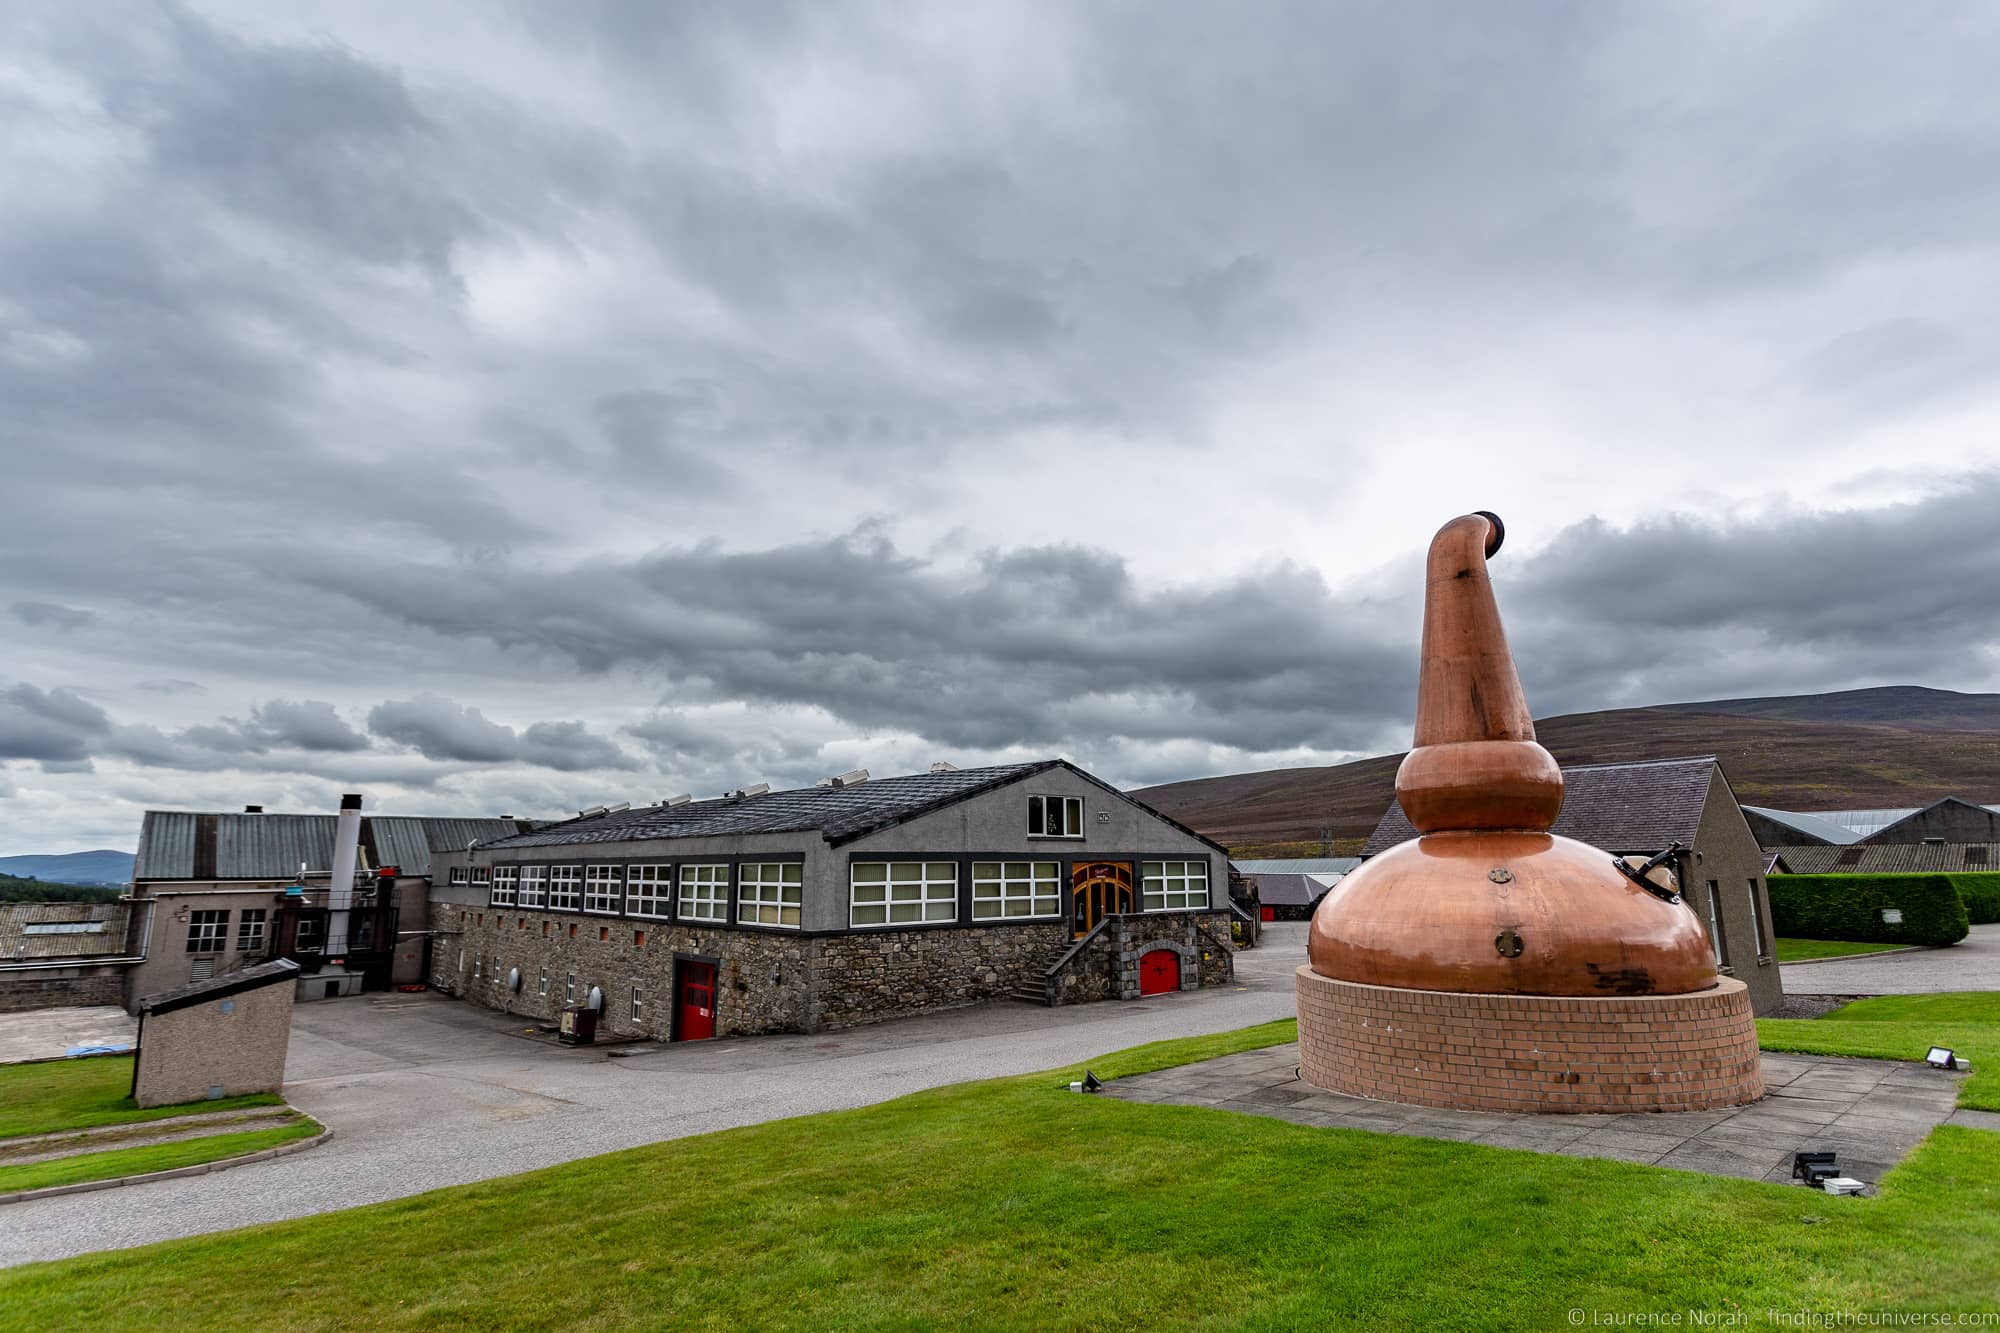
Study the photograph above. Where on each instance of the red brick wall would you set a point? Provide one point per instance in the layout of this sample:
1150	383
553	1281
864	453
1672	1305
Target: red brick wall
1530	1052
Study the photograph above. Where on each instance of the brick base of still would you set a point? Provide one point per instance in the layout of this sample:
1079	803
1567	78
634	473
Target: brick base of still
1544	1053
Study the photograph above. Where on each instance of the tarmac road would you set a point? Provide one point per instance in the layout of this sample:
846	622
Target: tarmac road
424	1091
1971	964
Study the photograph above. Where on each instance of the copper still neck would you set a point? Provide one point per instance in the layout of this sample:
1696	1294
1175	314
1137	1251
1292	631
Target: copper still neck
1476	764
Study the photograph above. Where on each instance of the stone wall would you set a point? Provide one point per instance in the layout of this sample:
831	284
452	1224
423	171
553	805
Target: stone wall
863	978
61	988
1546	1053
1108	967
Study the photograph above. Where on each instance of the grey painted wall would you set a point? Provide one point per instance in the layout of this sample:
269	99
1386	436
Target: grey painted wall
1728	854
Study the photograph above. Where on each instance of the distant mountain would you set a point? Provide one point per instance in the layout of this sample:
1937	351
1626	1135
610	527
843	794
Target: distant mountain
102	867
1856	749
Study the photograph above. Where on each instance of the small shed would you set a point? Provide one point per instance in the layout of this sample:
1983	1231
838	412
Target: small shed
224	1036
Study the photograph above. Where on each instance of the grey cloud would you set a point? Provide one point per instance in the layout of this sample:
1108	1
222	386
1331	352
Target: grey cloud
56	726
309	724
438	728
52	615
171	687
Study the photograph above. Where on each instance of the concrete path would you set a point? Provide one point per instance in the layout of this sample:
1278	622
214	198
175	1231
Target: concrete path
1870	1112
1971	964
424	1091
46	1034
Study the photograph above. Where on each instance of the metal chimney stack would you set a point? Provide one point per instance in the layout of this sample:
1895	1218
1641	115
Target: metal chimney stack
340	889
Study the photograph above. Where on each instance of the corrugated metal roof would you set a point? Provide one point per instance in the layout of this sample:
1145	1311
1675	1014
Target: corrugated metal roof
1863	822
1299	865
173	843
1892	858
1813	826
166	845
1289	890
1622	808
838	813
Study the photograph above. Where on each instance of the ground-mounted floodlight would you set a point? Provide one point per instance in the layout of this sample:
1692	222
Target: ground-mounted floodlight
1941	1057
1814	1168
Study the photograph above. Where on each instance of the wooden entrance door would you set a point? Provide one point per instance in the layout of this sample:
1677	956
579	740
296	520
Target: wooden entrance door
1159	972
1097	889
694	1001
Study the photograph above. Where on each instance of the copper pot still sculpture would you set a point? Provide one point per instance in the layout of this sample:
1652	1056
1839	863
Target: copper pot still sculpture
1486	899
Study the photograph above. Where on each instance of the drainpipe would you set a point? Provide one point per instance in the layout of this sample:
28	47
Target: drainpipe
340	891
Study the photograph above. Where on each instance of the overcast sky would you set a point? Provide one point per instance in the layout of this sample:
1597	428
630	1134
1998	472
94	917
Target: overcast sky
514	409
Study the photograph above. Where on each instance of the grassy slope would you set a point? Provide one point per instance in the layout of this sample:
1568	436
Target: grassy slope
148	1157
1798	951
1012	1203
1804	757
56	1095
1903	1027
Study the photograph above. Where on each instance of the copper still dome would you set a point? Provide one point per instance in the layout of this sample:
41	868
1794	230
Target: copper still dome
1486	899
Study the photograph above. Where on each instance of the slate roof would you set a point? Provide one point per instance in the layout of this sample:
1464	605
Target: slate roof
1289	890
184	844
838	814
1892	858
1623	808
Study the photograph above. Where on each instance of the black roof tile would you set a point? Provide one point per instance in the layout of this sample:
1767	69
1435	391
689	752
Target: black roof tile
1623	808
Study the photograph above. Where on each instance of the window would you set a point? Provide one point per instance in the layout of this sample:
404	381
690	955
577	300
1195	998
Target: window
481	876
600	889
1757	922
638	1007
506	879
569	989
312	935
1055	816
1715	920
459	875
649	891
250	931
532	880
1014	888
1174	886
562	887
705	893
475	967
542	986
208	932
768	894
886	893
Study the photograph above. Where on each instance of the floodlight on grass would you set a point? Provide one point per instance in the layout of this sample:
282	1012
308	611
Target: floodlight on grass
1814	1168
1941	1057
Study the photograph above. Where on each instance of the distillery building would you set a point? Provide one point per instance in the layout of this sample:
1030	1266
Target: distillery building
849	902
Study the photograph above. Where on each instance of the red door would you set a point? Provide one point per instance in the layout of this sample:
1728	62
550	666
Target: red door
1159	972
1267	913
694	1018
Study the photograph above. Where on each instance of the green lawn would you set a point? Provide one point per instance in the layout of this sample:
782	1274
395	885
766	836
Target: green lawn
1798	951
150	1157
1015	1204
1903	1027
56	1095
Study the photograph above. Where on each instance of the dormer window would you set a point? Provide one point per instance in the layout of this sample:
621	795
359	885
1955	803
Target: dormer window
1055	816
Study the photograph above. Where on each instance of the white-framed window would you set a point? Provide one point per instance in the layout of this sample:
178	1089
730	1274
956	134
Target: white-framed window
506	881
638	1006
600	888
649	891
312	935
1055	816
460	875
1174	886
475	967
569	988
208	932
481	876
1757	922
534	880
542	986
704	893
1715	920
767	893
893	893
563	881
250	930
1015	888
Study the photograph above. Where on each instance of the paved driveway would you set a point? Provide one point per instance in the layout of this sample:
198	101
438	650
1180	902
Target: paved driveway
424	1091
1971	964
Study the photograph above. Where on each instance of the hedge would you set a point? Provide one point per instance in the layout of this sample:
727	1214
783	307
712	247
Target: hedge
1849	907
1981	896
